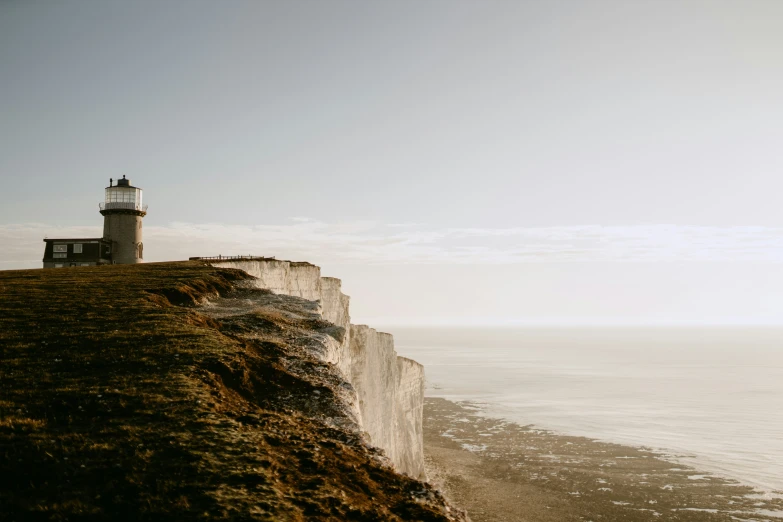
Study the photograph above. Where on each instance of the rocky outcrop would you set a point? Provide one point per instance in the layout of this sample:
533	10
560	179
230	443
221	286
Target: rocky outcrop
334	302
335	309
389	390
282	277
409	413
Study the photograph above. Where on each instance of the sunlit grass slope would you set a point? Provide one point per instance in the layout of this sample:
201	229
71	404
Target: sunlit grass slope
118	400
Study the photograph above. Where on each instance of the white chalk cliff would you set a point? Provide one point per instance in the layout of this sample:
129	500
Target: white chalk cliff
389	389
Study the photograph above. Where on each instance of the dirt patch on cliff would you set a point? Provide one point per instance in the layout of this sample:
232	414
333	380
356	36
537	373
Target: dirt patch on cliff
119	400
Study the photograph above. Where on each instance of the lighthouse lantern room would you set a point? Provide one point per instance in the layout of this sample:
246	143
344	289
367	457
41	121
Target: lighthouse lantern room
122	196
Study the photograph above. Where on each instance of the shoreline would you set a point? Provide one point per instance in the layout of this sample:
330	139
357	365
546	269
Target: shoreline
684	457
501	471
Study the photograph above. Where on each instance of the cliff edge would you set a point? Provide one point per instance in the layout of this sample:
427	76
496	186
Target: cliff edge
181	391
389	390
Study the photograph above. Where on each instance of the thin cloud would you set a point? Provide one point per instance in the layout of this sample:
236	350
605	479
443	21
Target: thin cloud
369	242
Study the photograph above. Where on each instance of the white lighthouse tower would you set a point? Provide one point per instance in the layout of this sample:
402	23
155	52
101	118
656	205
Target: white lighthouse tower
123	212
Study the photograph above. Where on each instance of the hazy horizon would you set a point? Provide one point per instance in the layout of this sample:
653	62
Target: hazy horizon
576	163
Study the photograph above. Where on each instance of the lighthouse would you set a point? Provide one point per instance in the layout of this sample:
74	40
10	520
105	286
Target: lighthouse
123	212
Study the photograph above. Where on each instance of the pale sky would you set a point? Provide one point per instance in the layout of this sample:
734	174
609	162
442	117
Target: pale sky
539	162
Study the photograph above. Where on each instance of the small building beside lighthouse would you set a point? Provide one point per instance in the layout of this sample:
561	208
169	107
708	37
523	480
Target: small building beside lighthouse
123	211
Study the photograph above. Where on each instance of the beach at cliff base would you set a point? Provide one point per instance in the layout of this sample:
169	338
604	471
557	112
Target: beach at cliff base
502	471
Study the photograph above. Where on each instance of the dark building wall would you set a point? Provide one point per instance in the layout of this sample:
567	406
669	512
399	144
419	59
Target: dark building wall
70	264
76	252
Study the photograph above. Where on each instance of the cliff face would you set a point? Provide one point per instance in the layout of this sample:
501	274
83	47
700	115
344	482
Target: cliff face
282	277
389	390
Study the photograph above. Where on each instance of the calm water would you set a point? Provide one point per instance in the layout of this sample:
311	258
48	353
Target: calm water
715	395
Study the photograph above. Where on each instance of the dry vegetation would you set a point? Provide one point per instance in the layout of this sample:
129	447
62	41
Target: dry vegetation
119	400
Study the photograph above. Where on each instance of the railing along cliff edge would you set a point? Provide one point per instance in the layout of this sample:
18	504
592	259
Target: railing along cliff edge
230	258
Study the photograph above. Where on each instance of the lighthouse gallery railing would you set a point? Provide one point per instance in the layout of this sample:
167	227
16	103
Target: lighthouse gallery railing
122	206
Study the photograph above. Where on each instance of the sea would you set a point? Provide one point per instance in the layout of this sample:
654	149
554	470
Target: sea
709	397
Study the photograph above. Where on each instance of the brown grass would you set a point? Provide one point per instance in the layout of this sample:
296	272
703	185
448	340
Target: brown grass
120	401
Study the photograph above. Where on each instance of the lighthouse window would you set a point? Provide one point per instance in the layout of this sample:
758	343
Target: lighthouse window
123	195
61	248
77	248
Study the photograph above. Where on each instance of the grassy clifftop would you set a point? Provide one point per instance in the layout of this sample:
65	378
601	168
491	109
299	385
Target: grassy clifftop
120	400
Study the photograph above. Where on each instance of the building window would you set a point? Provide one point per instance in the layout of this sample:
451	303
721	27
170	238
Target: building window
77	248
61	248
58	265
60	255
85	264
